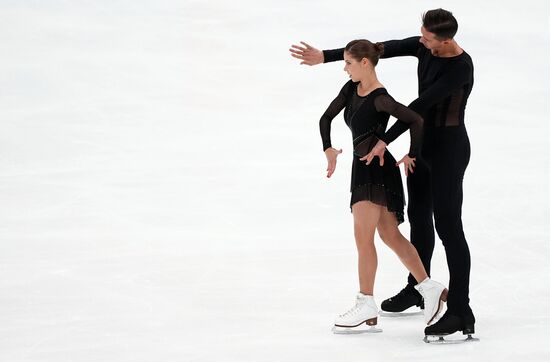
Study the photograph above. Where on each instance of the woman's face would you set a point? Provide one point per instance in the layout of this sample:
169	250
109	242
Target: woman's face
353	67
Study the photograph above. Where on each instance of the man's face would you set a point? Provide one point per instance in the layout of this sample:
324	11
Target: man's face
430	41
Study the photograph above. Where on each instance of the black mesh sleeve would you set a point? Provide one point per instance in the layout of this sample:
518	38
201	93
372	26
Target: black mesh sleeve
332	111
385	103
396	130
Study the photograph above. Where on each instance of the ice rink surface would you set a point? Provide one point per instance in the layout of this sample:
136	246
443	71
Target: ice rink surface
163	193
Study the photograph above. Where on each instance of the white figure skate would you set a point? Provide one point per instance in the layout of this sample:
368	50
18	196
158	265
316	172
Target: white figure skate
354	321
434	295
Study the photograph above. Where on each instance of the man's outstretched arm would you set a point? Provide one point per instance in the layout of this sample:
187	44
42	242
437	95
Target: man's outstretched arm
307	54
392	48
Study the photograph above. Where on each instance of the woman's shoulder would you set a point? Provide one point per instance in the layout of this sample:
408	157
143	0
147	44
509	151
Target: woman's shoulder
381	98
349	88
351	84
379	91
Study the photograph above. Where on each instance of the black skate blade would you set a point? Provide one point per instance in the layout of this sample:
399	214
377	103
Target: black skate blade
356	330
447	340
400	314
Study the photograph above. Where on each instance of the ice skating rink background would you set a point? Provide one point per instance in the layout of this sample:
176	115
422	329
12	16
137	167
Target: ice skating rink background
163	193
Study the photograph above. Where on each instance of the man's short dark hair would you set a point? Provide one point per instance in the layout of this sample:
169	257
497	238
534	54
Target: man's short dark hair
440	22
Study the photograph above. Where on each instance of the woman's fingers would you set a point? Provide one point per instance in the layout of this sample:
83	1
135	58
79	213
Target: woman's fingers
331	167
331	154
368	157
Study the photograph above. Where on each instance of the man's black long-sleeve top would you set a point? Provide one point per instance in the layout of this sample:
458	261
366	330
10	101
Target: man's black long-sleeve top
444	84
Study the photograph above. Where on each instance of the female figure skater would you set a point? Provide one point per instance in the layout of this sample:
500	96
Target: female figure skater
377	199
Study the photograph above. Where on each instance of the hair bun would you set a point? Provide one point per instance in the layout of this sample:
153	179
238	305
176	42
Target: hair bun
379	48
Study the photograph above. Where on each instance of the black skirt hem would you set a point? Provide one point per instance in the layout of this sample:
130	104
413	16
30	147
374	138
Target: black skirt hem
380	195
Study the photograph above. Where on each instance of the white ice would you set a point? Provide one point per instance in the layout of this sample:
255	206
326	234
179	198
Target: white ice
163	194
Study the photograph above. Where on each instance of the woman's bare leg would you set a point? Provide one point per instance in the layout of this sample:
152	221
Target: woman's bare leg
365	218
390	234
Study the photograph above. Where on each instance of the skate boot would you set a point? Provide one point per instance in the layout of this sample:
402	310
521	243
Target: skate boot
406	298
434	295
449	324
364	313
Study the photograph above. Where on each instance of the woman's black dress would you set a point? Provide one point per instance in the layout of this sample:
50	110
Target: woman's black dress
367	117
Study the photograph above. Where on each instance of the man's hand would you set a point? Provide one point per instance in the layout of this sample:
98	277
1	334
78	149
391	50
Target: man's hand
409	164
307	54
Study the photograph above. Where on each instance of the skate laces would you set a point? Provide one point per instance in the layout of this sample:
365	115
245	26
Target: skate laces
400	295
358	304
405	291
352	311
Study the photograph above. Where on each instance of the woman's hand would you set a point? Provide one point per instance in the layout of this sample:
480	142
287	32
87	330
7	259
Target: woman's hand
307	54
377	150
409	164
331	154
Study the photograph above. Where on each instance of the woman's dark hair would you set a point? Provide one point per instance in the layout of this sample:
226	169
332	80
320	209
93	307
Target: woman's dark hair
440	22
362	48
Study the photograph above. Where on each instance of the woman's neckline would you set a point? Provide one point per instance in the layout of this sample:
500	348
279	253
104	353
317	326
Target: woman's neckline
369	93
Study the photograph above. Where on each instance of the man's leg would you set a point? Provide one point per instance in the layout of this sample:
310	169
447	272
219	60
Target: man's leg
420	213
448	167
